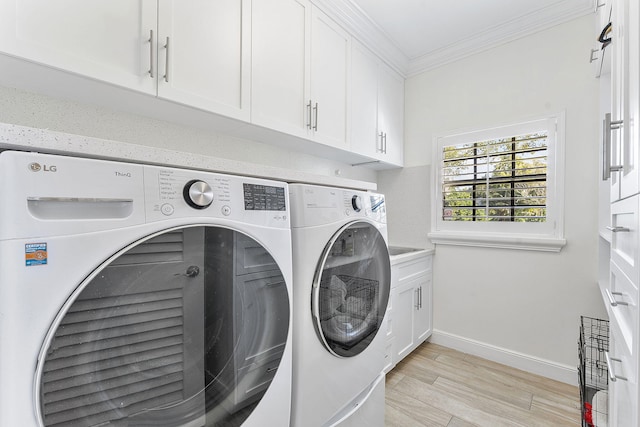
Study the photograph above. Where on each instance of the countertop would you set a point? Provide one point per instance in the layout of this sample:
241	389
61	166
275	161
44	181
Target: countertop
15	137
407	254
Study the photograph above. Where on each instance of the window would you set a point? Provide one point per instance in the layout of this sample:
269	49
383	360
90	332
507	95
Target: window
500	186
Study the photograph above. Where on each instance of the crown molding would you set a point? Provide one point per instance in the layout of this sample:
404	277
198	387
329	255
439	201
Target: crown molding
511	30
367	32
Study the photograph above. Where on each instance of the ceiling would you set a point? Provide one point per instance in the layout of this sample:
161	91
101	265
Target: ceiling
429	33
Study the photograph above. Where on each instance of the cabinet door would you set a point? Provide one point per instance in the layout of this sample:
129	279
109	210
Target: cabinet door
279	61
391	114
203	54
630	178
364	102
108	41
330	46
403	319
422	323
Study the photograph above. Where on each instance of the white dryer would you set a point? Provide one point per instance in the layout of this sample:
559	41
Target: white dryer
142	295
341	286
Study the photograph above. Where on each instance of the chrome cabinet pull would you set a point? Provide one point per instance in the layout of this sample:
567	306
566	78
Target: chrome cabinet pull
166	62
612	299
151	53
420	297
591	57
315	126
607	126
385	146
309	115
617	229
417	292
613	377
379	148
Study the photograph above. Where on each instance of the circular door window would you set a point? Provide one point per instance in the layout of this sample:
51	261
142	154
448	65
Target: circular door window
185	328
351	289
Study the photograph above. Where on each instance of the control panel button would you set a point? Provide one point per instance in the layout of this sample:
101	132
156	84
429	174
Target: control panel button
226	210
356	202
167	209
198	194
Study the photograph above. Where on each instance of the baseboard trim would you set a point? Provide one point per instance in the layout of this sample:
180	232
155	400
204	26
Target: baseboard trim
535	365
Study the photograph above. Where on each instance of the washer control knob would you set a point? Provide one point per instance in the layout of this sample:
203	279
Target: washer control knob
198	194
356	202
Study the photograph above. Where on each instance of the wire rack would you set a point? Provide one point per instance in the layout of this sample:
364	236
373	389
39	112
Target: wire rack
593	376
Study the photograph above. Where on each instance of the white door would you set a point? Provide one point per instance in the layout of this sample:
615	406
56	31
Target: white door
108	41
364	102
204	55
330	46
630	13
404	318
280	64
422	323
391	114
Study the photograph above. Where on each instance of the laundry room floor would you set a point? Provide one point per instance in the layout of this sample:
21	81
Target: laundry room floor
438	386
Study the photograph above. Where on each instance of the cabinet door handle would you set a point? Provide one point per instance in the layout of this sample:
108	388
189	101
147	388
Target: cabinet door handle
607	126
309	115
617	229
385	143
420	294
591	57
166	62
315	125
612	299
379	146
151	44
417	292
613	377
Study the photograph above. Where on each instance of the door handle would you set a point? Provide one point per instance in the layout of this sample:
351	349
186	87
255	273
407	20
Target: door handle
612	300
166	62
613	377
315	126
151	44
607	126
309	115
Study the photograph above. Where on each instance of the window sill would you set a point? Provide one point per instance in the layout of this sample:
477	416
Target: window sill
503	241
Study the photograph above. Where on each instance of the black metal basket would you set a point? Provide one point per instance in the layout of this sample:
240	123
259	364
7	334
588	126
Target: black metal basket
593	375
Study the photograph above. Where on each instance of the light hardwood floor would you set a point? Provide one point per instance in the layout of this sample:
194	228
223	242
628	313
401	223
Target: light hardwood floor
438	386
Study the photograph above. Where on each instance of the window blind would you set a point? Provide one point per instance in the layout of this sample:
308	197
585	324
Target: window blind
496	180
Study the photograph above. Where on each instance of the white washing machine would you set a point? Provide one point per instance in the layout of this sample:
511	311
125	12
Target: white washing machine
341	286
141	295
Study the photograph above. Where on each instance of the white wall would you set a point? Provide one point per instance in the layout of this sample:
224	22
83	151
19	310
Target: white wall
518	303
45	112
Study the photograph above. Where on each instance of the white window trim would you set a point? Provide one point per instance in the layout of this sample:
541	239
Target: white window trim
526	236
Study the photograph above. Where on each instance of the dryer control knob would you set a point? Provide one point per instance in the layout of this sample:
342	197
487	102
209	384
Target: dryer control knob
356	202
198	194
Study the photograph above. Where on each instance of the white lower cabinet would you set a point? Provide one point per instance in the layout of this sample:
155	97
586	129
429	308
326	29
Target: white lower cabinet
411	301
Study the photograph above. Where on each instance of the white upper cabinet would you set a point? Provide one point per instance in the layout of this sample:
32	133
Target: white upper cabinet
203	55
622	130
377	108
299	71
193	52
330	49
107	41
279	63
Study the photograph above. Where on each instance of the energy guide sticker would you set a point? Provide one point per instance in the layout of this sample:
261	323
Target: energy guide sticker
35	254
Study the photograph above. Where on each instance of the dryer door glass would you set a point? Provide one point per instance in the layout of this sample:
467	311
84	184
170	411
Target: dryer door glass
351	289
184	328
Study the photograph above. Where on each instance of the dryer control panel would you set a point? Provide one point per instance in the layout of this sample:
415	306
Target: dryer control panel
173	192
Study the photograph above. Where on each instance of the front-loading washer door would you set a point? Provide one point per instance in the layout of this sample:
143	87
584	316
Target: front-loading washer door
184	328
351	289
